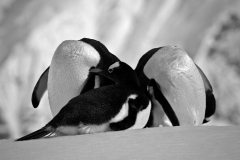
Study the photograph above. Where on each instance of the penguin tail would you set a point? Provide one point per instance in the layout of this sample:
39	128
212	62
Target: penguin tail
38	134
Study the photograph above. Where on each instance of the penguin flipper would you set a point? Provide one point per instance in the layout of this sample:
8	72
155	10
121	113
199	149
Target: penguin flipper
210	99
40	88
38	134
210	107
164	103
207	85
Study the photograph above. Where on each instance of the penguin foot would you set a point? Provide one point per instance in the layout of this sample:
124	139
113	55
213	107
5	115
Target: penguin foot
151	91
91	129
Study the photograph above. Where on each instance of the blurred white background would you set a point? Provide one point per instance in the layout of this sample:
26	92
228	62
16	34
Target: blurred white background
30	31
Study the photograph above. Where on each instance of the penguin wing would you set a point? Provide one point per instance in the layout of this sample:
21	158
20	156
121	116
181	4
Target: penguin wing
128	121
210	99
163	101
40	88
38	134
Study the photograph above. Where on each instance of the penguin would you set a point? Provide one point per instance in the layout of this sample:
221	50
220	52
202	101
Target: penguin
121	106
180	92
68	75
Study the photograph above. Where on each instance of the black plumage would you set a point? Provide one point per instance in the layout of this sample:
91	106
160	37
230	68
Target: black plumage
99	106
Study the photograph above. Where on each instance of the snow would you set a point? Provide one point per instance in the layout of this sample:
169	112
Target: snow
208	142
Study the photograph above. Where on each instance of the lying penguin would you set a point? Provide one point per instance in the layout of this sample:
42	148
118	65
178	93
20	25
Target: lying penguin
179	90
68	74
109	108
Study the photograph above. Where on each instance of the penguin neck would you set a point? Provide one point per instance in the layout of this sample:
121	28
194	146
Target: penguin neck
130	81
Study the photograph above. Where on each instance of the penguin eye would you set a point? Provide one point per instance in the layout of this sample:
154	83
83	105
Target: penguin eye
114	65
110	70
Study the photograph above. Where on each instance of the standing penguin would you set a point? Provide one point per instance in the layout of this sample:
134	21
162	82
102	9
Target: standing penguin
178	88
110	108
68	74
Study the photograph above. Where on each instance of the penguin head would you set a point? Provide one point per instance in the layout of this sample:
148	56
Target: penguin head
106	56
119	72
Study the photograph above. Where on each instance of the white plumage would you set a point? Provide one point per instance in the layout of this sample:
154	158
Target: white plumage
68	71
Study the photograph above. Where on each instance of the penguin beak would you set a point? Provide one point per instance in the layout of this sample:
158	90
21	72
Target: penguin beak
105	73
96	70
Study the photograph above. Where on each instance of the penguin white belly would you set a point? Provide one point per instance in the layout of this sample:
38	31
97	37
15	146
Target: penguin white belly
82	129
180	83
68	72
90	129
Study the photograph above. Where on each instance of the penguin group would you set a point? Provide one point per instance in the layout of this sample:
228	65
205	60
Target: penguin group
90	90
